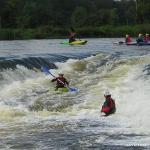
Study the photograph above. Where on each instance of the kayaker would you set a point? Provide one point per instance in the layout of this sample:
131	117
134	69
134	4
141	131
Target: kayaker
72	36
61	82
140	38
147	38
109	106
128	39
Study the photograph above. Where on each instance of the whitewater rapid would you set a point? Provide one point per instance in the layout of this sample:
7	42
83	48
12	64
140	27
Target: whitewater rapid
34	116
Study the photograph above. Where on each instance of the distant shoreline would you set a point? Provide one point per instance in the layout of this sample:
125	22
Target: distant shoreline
48	32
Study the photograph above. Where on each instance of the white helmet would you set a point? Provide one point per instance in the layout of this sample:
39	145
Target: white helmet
107	93
140	34
60	73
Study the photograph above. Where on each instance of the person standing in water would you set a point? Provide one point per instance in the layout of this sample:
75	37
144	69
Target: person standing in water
61	81
109	106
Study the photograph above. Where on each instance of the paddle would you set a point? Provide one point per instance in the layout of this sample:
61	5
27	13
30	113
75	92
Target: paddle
121	42
47	72
72	29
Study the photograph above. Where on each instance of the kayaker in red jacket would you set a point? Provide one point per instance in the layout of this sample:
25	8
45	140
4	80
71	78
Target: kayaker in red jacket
109	106
147	38
128	39
61	82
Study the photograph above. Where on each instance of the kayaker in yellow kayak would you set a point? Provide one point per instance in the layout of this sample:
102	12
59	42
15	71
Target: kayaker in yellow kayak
61	82
72	36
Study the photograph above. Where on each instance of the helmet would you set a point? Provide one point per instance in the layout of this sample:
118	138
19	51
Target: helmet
107	93
60	73
147	34
140	34
127	35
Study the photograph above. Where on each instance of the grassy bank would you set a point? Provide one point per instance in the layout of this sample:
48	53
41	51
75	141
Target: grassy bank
47	32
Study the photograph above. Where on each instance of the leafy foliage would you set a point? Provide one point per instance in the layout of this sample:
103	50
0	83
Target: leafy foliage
57	15
34	13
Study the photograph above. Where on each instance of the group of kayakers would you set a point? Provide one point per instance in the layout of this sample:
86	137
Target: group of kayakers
140	38
108	107
128	39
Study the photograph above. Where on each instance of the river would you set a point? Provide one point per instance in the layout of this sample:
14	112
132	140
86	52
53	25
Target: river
34	116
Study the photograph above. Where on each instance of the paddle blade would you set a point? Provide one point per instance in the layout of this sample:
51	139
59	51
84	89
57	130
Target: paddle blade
73	90
45	70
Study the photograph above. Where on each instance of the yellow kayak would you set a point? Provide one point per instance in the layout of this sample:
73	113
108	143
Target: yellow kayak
77	42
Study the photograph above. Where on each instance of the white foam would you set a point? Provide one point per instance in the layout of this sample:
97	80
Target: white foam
129	89
133	101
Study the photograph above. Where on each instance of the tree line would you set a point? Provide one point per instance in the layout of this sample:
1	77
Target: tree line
63	14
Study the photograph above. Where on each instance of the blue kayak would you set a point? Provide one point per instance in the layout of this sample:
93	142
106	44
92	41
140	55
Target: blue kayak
143	43
133	43
139	44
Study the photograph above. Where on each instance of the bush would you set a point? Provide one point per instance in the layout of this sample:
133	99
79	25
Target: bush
45	32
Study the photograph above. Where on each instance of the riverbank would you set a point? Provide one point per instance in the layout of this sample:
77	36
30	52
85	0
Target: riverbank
48	32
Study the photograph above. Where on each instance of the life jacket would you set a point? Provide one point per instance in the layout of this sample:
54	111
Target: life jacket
61	81
140	39
128	40
147	39
109	106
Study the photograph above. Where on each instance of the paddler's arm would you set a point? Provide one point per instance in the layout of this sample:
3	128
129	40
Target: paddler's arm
66	82
53	80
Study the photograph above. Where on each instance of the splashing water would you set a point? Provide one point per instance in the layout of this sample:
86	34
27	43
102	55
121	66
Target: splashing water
35	116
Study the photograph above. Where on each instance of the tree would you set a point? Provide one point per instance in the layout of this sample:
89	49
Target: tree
103	16
130	15
79	13
143	11
114	17
79	17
